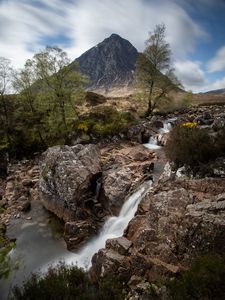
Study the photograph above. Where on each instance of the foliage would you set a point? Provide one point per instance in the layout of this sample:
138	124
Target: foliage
41	114
204	280
154	73
190	124
187	99
190	145
104	121
68	282
5	262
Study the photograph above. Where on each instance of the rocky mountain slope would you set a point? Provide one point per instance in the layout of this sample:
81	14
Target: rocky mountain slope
216	92
110	63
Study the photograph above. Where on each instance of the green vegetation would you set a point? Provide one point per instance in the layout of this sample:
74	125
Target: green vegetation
6	265
68	282
150	65
41	114
104	121
191	146
205	280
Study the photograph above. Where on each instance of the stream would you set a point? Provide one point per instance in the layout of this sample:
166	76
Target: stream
40	242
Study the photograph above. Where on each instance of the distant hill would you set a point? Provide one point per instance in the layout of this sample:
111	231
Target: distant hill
216	92
109	64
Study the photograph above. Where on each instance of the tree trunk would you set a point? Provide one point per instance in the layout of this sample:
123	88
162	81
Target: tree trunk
6	121
149	110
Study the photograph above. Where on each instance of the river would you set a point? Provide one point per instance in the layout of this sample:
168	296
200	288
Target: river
40	243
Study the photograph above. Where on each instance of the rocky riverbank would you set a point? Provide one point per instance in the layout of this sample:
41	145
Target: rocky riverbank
84	184
181	218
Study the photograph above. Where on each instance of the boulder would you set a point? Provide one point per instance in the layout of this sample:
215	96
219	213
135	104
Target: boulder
67	175
93	99
125	168
77	233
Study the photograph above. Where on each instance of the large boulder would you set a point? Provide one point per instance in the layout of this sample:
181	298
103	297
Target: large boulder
67	179
125	167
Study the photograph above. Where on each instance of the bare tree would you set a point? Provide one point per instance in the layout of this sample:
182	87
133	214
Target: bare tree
154	73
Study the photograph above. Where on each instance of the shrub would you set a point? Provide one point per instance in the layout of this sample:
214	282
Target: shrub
104	121
190	145
68	283
204	280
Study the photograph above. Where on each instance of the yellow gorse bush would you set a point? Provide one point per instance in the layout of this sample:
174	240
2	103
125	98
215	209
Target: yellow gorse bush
189	124
82	127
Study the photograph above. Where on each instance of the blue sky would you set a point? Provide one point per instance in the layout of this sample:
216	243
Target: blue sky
195	31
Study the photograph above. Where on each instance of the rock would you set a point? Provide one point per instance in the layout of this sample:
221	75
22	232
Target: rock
25	206
107	261
121	245
94	99
66	178
77	233
27	182
128	166
218	124
179	219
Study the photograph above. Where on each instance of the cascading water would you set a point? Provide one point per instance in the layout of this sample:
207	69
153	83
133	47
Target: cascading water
153	141
113	228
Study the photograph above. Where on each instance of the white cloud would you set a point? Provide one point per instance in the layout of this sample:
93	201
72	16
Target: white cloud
217	63
25	24
190	74
216	85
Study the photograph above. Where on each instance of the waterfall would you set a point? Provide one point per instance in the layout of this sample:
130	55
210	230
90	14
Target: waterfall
153	143
112	228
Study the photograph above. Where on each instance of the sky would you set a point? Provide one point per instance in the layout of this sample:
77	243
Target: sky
194	30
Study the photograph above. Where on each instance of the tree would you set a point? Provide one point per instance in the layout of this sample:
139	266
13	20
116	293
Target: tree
23	83
59	85
154	73
5	80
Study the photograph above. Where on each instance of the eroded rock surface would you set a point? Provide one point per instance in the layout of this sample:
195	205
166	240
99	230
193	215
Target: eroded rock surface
179	220
82	184
66	178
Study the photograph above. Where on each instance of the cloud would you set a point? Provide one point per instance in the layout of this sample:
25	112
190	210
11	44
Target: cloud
218	84
190	74
94	20
217	63
25	25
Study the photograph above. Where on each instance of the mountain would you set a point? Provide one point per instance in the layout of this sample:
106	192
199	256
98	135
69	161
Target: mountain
217	92
109	64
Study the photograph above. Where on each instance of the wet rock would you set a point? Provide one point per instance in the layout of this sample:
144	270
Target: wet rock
125	168
179	219
25	206
77	233
66	175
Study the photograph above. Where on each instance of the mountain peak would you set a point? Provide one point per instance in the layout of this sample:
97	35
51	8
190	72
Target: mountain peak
115	36
110	63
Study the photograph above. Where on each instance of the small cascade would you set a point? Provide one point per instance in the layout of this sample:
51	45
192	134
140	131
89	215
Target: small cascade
153	143
112	228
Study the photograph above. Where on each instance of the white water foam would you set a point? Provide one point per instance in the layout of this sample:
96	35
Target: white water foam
153	143
113	227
